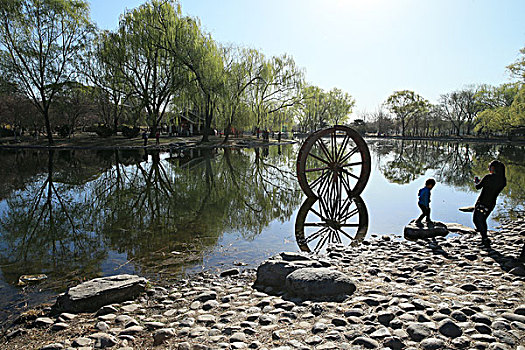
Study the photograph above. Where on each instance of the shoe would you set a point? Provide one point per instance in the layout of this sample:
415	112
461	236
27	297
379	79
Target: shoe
418	223
485	242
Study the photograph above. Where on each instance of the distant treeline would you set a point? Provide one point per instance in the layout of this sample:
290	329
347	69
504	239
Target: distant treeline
61	74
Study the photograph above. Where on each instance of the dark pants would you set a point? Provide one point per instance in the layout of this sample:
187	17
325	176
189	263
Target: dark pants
425	212
480	221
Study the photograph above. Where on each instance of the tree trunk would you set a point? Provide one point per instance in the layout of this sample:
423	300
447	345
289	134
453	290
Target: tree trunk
227	132
207	124
48	127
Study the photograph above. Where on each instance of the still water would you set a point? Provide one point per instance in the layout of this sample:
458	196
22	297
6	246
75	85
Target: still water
75	215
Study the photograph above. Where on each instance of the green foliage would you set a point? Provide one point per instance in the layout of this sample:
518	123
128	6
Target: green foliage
406	105
517	69
64	130
104	131
42	41
130	132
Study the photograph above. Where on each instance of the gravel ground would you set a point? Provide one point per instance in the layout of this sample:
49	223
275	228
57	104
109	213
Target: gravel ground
444	293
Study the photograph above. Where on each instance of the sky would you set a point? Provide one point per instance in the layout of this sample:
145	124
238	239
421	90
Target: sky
368	48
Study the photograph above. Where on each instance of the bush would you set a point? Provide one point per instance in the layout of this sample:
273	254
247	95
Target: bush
63	131
104	131
130	132
4	132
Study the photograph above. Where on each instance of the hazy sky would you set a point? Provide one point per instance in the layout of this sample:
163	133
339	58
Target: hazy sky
368	48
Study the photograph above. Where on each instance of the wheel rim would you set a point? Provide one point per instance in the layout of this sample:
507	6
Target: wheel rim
334	154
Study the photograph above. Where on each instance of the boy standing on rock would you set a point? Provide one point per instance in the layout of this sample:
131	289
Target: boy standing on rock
424	201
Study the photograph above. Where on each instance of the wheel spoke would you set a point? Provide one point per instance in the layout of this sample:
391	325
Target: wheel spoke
350	214
346	184
314	224
321	243
325	149
344	233
316	169
318	180
316	213
315	235
351	164
319	158
349	154
342	149
349	225
350	174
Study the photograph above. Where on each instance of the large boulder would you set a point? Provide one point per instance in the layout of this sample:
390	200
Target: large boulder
315	283
92	295
273	272
425	230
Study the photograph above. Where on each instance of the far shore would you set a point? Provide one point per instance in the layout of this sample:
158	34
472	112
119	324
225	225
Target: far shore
92	141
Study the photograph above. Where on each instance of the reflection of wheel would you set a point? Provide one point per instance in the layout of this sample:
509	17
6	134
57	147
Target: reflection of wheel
330	220
334	154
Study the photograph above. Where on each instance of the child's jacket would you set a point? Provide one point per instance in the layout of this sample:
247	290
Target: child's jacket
424	196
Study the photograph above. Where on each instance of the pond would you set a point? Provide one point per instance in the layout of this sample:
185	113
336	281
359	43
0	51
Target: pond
77	214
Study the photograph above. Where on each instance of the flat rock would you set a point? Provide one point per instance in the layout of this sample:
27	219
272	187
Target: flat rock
413	231
160	335
92	295
366	342
54	346
319	283
432	344
458	228
273	272
103	340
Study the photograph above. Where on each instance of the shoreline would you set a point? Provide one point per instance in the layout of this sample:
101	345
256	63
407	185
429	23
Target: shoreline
242	142
428	294
163	147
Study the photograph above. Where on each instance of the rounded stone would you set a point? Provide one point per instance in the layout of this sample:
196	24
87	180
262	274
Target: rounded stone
319	282
450	329
432	344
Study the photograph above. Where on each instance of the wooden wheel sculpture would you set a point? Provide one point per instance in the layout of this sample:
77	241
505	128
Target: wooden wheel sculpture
335	154
330	220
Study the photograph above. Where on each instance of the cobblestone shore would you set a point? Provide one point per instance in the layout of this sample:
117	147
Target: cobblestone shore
443	293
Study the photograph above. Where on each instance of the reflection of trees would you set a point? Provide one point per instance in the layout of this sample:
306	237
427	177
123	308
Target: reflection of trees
42	229
158	207
410	160
65	216
455	164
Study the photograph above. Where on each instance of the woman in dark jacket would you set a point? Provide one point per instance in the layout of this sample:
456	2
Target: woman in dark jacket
491	185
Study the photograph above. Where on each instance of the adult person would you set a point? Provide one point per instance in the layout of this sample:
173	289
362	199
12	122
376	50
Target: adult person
491	185
145	138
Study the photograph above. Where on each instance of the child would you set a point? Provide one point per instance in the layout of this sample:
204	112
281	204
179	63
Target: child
424	201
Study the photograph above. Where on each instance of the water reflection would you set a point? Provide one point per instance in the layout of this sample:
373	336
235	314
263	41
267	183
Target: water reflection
330	220
151	212
80	214
453	164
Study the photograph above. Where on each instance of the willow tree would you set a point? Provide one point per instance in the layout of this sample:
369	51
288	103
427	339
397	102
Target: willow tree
278	88
103	70
340	105
198	55
313	108
242	69
517	69
42	41
136	53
